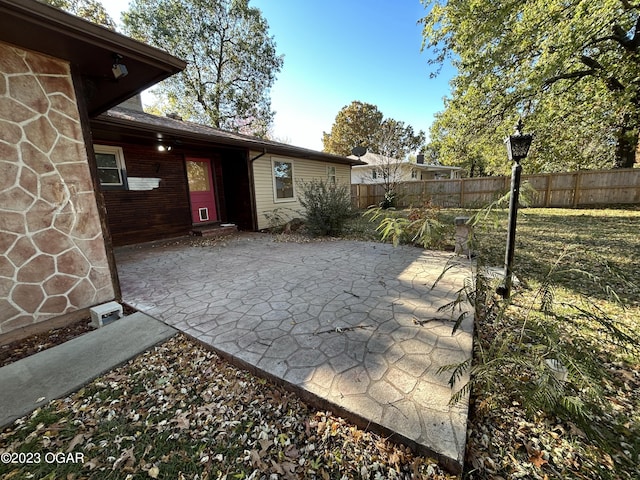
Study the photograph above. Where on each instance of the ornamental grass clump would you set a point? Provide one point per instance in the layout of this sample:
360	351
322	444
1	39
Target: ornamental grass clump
416	226
327	206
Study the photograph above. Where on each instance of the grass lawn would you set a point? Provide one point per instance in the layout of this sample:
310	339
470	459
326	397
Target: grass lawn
604	242
578	301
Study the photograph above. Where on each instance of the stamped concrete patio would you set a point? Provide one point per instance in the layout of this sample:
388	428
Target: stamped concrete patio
352	326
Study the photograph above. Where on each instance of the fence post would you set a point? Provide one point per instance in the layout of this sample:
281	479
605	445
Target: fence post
547	194
576	189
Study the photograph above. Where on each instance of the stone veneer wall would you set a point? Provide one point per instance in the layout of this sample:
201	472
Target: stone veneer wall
52	254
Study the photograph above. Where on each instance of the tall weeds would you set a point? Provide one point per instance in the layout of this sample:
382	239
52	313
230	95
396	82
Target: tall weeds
570	319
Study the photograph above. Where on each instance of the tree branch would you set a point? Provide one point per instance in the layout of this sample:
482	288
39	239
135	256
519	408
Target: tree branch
569	75
630	6
629	44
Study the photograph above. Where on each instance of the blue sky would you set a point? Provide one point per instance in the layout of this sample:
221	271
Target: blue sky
337	51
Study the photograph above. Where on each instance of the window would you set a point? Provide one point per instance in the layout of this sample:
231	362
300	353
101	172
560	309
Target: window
283	180
331	175
198	176
414	174
111	169
374	174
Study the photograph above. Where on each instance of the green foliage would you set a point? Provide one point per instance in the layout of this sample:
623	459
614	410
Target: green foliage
417	226
327	206
362	124
232	60
532	331
493	211
456	140
91	10
358	227
570	67
355	124
390	197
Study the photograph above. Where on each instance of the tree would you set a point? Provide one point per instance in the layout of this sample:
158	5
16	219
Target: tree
91	10
391	141
566	138
355	124
232	60
457	141
362	124
571	67
394	141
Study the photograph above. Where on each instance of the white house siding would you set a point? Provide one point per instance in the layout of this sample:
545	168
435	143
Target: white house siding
364	174
303	170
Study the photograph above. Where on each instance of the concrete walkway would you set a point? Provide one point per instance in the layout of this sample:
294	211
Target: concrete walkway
36	380
353	326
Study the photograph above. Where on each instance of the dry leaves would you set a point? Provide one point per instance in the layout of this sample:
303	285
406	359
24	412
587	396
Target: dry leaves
33	344
178	411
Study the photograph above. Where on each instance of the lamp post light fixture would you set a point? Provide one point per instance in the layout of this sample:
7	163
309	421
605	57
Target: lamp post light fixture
517	149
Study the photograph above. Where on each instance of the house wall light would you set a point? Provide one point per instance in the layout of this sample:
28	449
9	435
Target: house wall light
164	148
118	69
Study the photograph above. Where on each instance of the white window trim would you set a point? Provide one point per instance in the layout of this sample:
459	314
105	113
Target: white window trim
332	177
273	179
119	154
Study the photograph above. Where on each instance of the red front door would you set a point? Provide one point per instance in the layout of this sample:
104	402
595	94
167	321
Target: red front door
203	203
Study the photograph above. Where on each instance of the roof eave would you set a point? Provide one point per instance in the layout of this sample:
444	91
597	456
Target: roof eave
249	143
89	48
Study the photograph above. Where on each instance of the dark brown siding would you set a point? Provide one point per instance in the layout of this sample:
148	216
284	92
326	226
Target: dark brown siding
142	216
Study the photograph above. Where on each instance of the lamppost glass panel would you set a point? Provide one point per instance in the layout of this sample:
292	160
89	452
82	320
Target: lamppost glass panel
518	146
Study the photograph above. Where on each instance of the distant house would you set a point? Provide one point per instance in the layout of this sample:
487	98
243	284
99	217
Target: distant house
79	174
381	169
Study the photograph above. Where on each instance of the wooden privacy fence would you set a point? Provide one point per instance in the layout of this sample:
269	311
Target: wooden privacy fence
572	189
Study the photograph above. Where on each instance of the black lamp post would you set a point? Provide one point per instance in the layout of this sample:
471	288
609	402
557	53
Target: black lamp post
517	149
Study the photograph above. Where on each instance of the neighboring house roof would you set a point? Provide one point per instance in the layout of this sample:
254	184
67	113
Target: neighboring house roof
373	160
434	168
174	130
376	159
89	48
